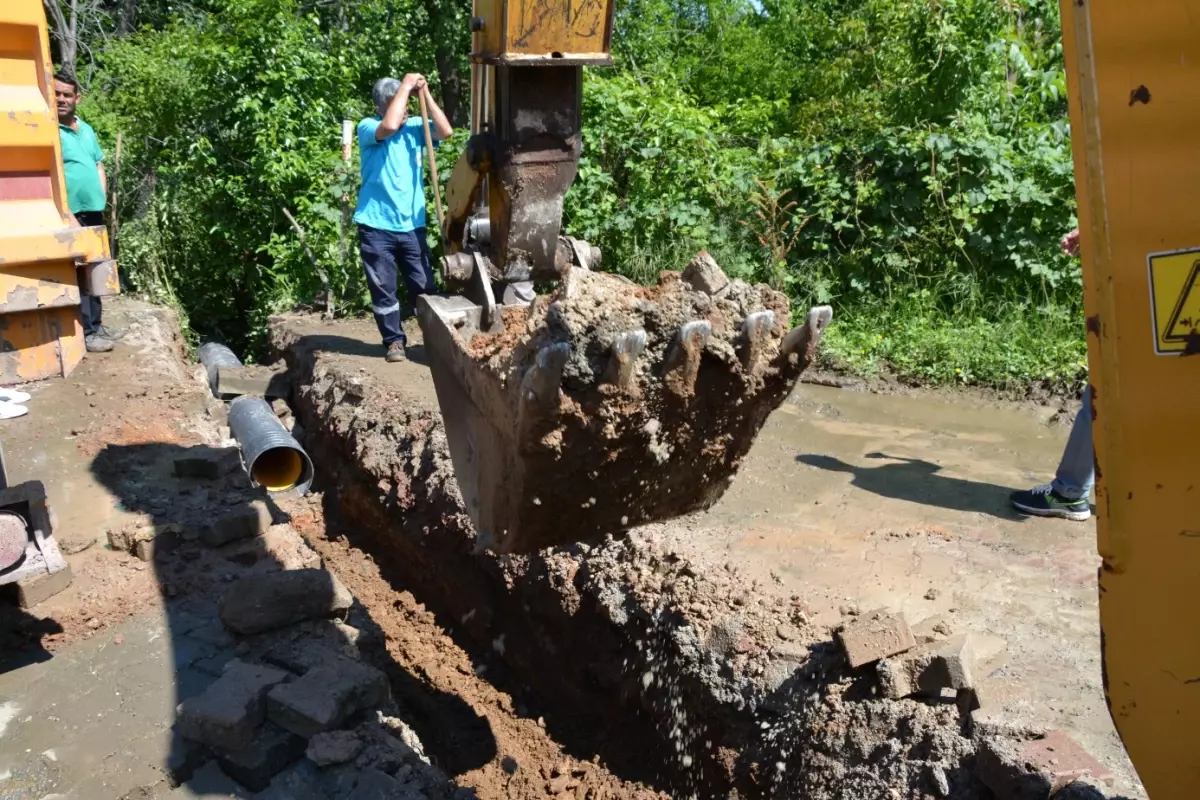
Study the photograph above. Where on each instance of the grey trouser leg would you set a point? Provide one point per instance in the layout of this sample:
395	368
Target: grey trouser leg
1077	470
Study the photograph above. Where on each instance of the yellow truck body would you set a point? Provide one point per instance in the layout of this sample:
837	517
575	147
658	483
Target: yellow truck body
1133	92
46	261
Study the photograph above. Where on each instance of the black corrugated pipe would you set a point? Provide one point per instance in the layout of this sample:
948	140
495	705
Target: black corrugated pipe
213	356
273	458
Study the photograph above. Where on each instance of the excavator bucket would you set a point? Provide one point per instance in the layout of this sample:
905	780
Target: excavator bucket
608	405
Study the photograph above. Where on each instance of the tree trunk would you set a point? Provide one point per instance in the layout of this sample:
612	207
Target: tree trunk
126	17
64	31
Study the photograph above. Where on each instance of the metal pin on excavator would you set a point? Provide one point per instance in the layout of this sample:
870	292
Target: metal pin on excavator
504	206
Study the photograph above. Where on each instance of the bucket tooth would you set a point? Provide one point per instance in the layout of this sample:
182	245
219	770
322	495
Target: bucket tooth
683	362
626	348
802	340
756	331
539	387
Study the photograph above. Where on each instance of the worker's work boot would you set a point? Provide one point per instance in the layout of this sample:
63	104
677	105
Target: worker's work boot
98	344
112	334
395	353
1044	501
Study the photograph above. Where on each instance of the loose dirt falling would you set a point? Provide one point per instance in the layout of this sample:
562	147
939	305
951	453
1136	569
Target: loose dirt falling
527	763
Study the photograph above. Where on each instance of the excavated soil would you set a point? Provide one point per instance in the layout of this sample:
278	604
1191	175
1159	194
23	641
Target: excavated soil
623	434
682	674
491	740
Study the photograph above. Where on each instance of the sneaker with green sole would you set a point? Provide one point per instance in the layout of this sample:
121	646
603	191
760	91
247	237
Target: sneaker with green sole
1043	501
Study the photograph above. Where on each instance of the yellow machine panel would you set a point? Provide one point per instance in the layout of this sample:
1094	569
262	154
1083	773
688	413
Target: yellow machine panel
1134	91
554	31
44	260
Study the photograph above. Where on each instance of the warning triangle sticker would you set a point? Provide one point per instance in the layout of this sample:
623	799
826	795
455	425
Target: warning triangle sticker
1185	319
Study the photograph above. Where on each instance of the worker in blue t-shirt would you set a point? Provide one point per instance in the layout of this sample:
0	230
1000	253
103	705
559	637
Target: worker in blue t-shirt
391	203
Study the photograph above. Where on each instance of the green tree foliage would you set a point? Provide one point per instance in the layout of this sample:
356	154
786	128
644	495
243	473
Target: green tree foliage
906	160
228	117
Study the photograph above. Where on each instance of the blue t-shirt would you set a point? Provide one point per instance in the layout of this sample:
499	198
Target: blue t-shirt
392	196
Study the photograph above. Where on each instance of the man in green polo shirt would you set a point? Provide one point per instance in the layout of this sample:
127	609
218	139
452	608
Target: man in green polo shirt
87	190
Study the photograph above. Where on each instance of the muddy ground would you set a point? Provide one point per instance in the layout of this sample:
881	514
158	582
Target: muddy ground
693	658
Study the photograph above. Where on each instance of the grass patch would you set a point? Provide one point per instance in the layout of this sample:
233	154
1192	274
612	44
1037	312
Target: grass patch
1019	345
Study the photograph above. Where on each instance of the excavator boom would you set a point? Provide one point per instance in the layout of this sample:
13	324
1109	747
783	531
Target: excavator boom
604	405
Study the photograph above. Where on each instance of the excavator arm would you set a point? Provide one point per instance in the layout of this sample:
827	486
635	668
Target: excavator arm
604	405
504	200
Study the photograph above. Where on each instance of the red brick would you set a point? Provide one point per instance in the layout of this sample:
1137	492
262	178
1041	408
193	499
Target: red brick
1034	769
873	636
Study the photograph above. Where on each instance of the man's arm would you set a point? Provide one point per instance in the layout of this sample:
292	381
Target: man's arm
397	111
103	177
1070	243
442	129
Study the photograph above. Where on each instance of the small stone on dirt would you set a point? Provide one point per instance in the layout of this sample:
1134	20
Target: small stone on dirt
874	636
244	523
126	539
228	712
704	274
271	750
327	696
789	633
263	602
1037	768
933	594
333	747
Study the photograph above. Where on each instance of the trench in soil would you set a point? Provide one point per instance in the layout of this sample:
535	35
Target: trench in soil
675	677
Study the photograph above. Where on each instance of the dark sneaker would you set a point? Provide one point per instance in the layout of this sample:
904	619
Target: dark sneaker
1043	501
97	344
395	353
112	334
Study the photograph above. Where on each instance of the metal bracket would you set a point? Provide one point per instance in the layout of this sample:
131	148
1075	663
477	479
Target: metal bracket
480	292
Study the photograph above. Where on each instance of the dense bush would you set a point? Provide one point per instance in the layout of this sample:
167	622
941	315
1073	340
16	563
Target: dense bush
906	161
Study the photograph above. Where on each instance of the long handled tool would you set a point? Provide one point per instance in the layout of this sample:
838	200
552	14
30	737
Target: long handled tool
433	176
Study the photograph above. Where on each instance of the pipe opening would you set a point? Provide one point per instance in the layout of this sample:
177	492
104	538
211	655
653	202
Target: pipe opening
278	469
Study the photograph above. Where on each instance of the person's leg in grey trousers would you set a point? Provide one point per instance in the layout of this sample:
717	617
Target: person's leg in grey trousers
1077	470
1067	496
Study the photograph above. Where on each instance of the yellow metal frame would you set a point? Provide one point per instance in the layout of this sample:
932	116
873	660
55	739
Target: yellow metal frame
1135	119
548	31
43	255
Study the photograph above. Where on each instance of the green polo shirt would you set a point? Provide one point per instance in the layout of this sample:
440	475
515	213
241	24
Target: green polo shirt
81	153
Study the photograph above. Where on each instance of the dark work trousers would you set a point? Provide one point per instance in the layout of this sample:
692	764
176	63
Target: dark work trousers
89	307
386	254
